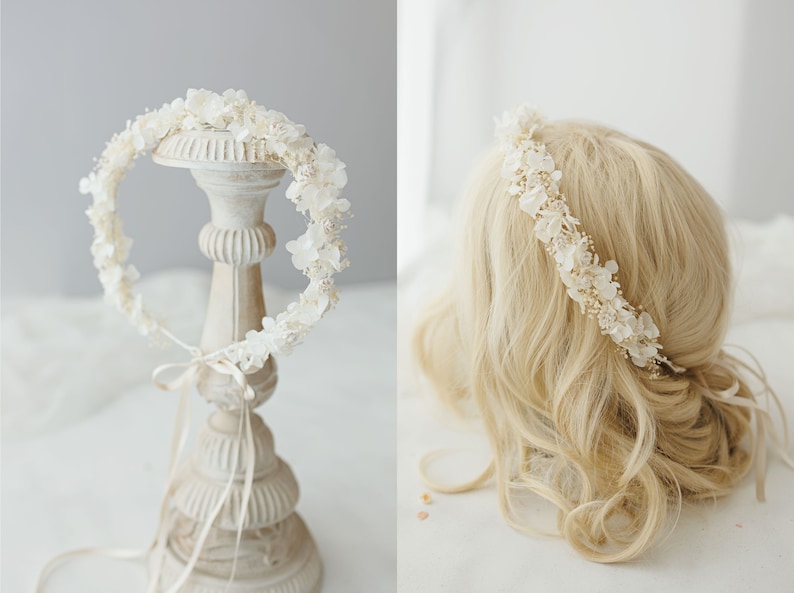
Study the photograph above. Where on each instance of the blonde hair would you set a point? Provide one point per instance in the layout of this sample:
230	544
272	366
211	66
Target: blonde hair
568	418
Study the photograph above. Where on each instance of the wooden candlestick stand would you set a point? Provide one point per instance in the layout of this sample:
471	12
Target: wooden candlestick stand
277	553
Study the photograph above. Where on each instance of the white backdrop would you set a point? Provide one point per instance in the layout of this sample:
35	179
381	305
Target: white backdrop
710	82
74	72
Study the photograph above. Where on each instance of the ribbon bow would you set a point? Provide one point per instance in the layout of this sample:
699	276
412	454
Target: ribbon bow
184	382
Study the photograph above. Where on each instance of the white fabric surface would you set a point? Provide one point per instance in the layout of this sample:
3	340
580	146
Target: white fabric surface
464	545
90	469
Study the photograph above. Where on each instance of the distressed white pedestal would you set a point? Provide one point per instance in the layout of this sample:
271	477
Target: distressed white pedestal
277	553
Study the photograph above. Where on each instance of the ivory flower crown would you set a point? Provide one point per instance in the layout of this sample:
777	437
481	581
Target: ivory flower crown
319	177
535	181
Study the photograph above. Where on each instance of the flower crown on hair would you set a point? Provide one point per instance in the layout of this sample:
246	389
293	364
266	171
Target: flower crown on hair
535	182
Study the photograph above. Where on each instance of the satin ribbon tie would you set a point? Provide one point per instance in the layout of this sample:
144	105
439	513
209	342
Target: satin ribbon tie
184	382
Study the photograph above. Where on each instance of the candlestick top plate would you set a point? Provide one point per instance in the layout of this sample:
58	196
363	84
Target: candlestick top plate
212	149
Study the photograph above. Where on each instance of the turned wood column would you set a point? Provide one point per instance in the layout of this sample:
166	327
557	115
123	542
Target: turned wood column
277	553
236	239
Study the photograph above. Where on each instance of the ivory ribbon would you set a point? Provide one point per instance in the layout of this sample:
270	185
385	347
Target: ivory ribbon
763	419
184	382
118	553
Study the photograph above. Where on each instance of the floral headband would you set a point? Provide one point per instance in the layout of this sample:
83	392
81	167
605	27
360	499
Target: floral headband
535	182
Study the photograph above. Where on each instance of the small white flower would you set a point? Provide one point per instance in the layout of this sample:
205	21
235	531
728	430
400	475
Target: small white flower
280	133
602	281
533	200
306	248
534	159
609	291
331	255
329	225
306	172
548	226
90	184
316	198
548	164
318	292
575	294
303	314
138	315
568	251
649	329
516	189
329	168
111	277
176	107
566	256
295	189
265	342
242	130
102	252
641	355
620	332
207	107
507	125
142	135
512	165
131	274
607	317
556	205
231	96
160	123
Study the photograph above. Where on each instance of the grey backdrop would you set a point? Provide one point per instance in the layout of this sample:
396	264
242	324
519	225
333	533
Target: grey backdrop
74	72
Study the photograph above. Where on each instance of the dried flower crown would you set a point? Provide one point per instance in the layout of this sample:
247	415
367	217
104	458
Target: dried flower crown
535	181
318	179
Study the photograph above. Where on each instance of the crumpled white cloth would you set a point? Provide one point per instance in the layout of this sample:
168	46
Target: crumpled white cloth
64	358
763	268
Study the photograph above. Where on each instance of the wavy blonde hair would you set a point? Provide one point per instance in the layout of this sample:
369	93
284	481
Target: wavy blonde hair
568	418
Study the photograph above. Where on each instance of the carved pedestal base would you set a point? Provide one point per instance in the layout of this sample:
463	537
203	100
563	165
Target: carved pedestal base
276	552
299	573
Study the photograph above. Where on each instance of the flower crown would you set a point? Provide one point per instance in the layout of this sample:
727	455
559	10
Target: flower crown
319	177
535	182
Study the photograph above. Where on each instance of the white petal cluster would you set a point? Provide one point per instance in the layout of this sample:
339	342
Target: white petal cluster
319	177
317	185
534	181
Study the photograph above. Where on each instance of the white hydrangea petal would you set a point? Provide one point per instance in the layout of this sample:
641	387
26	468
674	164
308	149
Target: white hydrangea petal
531	202
609	291
342	204
534	159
